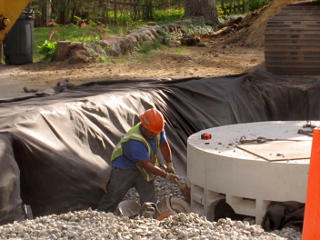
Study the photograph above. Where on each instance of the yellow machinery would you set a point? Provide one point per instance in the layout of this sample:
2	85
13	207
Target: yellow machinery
9	13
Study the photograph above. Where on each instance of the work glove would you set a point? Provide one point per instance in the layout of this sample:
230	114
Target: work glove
170	168
171	177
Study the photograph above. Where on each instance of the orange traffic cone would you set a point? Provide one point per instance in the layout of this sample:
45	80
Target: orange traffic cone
311	224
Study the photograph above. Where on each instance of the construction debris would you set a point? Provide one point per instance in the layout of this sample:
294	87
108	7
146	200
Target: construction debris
309	130
243	140
306	132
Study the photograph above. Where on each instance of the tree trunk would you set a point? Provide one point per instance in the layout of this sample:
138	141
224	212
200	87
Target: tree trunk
64	11
147	10
45	12
205	8
61	12
115	12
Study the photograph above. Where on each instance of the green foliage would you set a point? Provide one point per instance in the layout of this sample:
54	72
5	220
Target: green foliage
221	11
188	29
74	33
48	49
103	59
89	30
79	20
166	37
159	16
124	18
256	4
229	10
169	15
156	44
147	47
117	29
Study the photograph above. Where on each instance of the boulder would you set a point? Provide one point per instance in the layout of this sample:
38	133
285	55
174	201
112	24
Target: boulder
78	54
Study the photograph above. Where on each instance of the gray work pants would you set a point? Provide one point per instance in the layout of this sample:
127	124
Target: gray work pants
121	181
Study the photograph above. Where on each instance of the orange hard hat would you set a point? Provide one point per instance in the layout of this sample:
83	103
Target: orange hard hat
152	120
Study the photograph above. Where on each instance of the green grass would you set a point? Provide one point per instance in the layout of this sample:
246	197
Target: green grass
147	47
59	33
75	33
103	59
170	15
92	32
71	33
159	16
148	55
143	57
251	5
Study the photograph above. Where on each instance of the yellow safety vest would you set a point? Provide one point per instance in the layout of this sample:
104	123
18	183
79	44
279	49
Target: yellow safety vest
135	134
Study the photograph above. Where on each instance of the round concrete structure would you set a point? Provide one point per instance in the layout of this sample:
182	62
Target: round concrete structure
249	165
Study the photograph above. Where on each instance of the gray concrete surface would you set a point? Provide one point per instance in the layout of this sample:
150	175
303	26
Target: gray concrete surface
8	86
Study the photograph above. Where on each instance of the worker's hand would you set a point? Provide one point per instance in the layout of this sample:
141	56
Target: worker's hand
170	168
171	177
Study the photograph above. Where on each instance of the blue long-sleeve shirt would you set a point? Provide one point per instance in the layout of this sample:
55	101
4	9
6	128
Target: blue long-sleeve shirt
134	151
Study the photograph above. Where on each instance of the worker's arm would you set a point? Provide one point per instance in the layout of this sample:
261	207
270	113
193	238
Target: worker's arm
153	169
137	152
166	152
171	177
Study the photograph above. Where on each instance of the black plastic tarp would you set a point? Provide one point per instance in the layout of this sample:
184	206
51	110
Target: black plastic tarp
55	150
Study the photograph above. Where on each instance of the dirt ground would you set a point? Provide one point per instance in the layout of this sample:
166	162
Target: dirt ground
238	51
212	60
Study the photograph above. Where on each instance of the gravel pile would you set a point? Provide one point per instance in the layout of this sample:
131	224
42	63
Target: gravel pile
162	188
91	224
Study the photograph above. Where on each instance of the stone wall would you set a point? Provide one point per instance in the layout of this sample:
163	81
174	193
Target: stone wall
174	33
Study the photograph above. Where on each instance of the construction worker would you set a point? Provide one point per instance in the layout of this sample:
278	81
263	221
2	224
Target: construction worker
135	164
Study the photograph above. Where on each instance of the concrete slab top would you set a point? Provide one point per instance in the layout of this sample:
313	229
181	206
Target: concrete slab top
287	144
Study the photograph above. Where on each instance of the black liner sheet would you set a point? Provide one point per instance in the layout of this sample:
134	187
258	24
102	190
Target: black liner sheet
55	150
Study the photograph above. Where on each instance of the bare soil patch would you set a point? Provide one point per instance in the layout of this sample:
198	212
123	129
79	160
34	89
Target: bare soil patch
213	60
